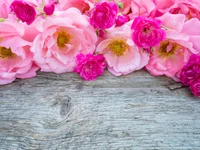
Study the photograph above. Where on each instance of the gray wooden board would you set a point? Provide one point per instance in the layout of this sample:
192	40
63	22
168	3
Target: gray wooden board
133	112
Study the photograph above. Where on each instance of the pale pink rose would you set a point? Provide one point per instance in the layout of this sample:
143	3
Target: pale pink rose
5	8
90	66
124	5
16	60
190	8
141	8
30	32
192	28
61	38
121	54
162	6
173	53
168	59
82	5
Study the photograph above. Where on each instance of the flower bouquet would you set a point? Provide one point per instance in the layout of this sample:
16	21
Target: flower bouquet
89	36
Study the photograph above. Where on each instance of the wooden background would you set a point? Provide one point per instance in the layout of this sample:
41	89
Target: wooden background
133	112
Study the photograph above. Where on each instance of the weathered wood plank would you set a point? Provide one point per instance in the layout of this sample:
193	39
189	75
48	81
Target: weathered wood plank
136	112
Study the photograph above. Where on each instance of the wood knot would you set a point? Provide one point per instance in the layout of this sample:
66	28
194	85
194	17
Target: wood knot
65	103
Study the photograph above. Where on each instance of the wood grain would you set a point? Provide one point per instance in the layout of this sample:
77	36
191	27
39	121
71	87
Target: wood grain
133	112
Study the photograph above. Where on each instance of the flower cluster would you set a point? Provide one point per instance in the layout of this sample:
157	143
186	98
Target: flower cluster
89	36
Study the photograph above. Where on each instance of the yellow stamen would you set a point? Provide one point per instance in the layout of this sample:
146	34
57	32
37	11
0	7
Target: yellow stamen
6	52
118	47
63	39
168	48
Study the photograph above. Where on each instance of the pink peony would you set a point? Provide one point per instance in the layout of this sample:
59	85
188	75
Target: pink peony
90	66
147	32
195	87
121	54
103	15
191	71
121	19
23	11
61	38
16	60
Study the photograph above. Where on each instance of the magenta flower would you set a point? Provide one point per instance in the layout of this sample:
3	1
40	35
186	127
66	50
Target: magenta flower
90	66
101	33
121	19
49	8
23	11
191	71
147	32
103	15
195	87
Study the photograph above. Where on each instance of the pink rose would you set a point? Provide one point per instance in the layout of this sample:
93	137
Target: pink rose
16	60
141	8
90	66
190	8
23	11
4	8
30	32
195	87
61	38
103	15
121	54
191	28
147	32
169	57
161	7
124	5
191	71
82	5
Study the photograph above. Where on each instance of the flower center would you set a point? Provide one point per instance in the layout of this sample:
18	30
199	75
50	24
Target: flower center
118	47
146	31
63	39
168	48
6	52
